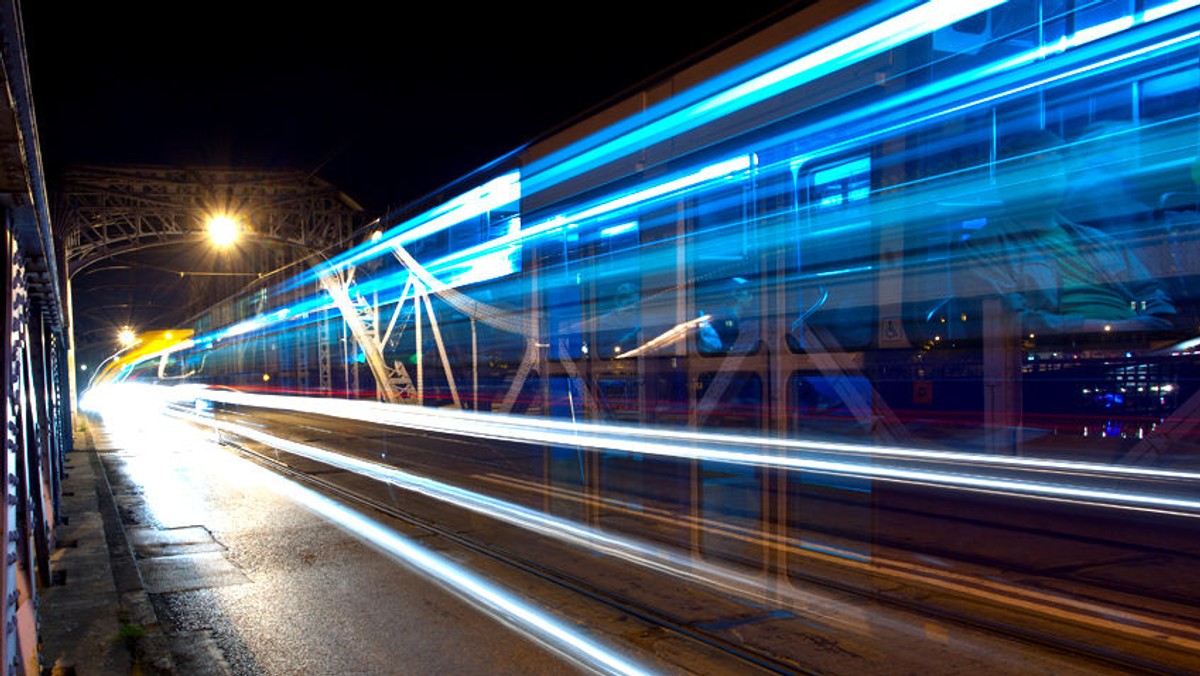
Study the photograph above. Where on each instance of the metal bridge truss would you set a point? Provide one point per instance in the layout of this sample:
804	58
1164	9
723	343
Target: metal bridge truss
393	381
108	210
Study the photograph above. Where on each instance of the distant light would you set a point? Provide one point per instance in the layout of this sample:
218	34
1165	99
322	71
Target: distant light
126	337
83	367
223	230
376	236
266	377
168	336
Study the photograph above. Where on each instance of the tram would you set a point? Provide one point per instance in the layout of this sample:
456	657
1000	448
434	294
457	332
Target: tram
789	237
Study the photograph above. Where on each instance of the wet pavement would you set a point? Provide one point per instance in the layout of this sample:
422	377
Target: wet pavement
174	559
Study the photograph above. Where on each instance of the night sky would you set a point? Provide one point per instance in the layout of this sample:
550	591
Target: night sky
386	102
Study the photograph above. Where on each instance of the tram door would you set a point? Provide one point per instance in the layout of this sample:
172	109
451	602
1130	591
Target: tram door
726	366
830	395
591	303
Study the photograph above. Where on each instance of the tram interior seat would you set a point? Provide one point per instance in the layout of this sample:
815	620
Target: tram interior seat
941	306
833	319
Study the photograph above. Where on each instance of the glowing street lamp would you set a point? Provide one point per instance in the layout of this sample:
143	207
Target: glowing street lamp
126	337
223	230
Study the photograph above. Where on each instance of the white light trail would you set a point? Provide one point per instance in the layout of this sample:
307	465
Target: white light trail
1072	481
656	558
504	606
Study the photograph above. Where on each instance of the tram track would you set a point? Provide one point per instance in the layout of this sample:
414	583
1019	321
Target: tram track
758	661
762	661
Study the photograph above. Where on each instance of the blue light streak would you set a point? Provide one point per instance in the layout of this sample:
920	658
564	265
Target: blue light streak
628	549
870	41
614	230
1169	9
639	197
841	171
572	644
861	461
906	112
499	192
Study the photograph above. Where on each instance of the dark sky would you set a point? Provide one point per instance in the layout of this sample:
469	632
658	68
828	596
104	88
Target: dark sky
386	101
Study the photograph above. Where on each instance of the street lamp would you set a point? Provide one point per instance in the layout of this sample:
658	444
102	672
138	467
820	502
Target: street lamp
223	230
126	337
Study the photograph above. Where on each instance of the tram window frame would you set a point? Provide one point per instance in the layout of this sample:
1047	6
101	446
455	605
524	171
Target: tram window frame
615	240
741	384
572	303
823	306
1151	104
722	280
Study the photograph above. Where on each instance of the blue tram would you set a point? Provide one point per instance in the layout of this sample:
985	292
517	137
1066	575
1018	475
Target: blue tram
825	231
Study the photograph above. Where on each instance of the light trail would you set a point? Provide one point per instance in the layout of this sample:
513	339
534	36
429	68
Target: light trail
685	566
500	604
816	61
1087	483
639	553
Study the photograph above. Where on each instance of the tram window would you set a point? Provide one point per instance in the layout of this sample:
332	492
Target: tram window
967	35
1172	95
830	406
615	268
1059	277
466	234
841	185
1026	22
723	268
594	301
618	328
1014	26
430	247
501	223
834	257
619	396
1097	13
667	396
1075	110
730	312
721	222
734	399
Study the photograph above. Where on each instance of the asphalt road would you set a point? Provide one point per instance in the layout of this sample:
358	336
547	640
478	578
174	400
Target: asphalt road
249	580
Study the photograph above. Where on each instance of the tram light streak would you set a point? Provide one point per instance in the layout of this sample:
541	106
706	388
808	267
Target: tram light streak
502	605
1168	9
653	557
907	465
806	68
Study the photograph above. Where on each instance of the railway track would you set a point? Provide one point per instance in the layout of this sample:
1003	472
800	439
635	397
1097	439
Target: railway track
746	636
